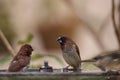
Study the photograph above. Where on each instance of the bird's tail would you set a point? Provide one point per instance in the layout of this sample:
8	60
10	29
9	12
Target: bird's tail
88	60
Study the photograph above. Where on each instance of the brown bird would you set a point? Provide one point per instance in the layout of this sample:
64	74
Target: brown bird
21	61
70	51
107	62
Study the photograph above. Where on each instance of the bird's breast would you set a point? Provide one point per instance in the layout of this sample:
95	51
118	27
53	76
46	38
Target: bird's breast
71	57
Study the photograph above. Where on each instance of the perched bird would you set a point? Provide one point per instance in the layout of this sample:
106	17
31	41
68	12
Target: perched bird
107	62
21	61
70	51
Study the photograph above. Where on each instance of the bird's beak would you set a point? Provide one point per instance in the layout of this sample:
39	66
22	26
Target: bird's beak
32	50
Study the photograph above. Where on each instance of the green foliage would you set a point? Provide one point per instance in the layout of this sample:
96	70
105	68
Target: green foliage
35	66
93	78
40	56
27	40
89	66
5	59
37	56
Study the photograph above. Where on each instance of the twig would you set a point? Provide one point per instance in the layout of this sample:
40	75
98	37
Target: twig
94	33
7	44
96	36
104	23
48	74
114	23
119	15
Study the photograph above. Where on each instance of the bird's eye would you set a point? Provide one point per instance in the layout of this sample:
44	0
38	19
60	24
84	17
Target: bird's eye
60	41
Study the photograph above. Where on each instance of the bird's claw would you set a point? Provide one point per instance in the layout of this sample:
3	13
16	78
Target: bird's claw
65	69
73	70
76	70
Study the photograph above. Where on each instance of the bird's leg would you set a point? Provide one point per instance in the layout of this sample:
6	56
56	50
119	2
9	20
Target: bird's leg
66	68
109	73
24	69
76	69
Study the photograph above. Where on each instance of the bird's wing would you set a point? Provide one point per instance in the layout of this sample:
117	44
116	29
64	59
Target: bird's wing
17	65
114	55
24	61
77	50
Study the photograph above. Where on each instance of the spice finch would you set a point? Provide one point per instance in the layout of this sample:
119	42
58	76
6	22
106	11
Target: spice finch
21	61
107	62
70	51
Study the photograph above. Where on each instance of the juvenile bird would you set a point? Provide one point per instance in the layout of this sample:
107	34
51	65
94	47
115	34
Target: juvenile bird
21	61
70	51
107	62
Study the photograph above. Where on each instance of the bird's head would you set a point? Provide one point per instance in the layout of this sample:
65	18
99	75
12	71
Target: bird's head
26	50
63	39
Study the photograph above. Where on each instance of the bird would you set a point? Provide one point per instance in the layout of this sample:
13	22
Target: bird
107	62
21	61
70	52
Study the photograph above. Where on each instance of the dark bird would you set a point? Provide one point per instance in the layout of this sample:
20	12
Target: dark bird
70	51
21	61
109	61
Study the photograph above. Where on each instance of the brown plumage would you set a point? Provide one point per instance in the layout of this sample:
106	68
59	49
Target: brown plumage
108	61
70	51
21	61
